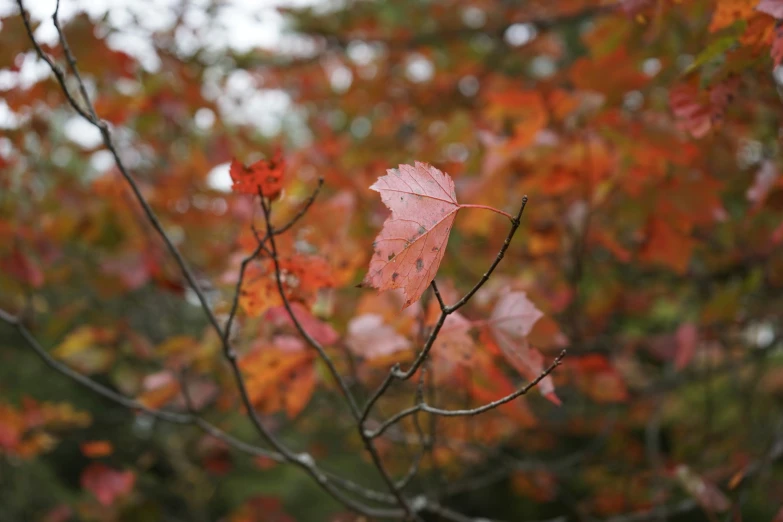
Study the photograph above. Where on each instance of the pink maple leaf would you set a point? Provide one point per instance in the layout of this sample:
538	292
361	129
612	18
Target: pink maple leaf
410	247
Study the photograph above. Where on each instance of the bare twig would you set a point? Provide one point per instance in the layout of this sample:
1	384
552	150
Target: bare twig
302	461
272	250
302	210
192	419
368	443
466	412
238	290
85	381
501	253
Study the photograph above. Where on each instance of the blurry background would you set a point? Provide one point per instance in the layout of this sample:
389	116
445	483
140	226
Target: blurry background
645	132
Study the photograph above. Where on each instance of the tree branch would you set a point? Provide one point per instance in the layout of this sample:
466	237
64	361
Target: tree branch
466	412
376	458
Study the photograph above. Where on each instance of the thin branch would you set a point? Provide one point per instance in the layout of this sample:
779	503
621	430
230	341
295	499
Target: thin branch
413	469
297	324
375	456
238	290
466	412
71	59
515	222
396	372
59	74
108	142
302	211
303	461
85	381
492	209
193	419
435	290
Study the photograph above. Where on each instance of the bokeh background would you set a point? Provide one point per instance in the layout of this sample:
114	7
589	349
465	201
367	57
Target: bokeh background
646	134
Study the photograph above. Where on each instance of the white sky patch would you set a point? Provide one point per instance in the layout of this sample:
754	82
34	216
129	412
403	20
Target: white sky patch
519	34
8	120
219	179
419	69
101	161
240	25
84	134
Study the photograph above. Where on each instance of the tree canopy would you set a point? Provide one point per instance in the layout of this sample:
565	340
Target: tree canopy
456	260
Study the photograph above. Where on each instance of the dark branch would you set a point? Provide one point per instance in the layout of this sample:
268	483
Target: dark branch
467	412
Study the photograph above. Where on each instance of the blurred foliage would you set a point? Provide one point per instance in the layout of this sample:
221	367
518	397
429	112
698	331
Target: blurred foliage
646	135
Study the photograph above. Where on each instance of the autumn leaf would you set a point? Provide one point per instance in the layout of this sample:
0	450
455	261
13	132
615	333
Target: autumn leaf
319	330
510	323
279	380
96	448
410	247
107	484
454	347
598	379
22	268
265	175
12	427
766	177
687	340
729	11
302	277
87	349
159	389
692	115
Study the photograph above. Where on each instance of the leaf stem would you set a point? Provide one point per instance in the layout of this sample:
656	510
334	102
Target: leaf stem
493	209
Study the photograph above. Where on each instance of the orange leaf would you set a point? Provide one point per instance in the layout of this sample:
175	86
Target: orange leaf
161	388
729	11
279	380
265	176
96	448
667	245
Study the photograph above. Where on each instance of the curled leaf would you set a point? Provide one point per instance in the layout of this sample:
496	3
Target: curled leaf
511	322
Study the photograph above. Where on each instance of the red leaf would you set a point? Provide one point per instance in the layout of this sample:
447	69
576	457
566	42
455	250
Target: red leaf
771	7
687	339
264	175
511	322
107	484
410	247
692	116
23	268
